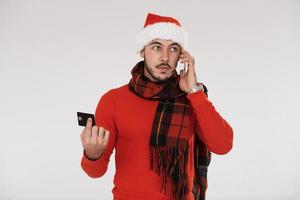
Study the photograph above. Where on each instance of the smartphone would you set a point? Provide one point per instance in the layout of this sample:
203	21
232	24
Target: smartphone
83	117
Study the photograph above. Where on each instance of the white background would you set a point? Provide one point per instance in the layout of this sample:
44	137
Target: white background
58	57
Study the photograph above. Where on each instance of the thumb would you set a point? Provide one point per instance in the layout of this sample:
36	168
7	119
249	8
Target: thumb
89	123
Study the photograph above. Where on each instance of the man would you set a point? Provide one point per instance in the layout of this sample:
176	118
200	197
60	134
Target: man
161	124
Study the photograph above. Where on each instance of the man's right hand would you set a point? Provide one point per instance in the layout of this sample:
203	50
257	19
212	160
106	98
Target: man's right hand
94	140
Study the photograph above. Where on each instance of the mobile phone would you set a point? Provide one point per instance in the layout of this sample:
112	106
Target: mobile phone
83	117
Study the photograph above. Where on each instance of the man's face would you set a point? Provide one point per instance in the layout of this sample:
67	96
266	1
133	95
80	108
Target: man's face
161	58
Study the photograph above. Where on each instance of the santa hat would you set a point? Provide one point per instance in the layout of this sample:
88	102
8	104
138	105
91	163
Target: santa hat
161	27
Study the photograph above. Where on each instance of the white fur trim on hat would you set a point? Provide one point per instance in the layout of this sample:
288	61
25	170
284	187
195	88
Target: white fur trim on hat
161	30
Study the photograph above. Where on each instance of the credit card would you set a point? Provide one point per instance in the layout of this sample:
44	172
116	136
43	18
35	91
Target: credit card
83	117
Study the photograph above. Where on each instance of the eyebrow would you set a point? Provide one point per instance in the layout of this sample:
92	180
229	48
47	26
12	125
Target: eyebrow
155	42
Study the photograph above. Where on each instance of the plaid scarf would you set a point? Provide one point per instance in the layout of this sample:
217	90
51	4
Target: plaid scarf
170	135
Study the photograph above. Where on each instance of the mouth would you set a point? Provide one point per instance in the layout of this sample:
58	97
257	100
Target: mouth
163	67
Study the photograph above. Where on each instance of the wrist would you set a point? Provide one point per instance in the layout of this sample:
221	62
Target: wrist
196	88
92	156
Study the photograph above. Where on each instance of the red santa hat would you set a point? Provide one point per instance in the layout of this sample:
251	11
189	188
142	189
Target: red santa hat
161	27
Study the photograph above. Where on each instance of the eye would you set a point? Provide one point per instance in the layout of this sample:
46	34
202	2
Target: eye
156	48
174	49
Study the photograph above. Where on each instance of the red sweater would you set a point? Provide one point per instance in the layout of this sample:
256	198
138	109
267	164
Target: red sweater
129	119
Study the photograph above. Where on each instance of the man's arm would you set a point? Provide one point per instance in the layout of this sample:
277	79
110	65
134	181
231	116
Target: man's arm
213	130
104	117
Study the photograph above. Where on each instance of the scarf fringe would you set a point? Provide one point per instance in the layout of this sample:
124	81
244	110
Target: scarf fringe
170	162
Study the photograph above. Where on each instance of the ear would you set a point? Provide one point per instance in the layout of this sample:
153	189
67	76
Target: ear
142	53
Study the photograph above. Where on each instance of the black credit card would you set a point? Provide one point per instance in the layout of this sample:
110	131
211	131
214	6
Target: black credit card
83	117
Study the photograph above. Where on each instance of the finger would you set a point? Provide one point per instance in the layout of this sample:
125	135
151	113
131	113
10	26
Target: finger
87	131
191	66
106	138
101	135
192	60
187	59
94	134
183	51
182	56
186	53
87	135
181	73
89	123
183	60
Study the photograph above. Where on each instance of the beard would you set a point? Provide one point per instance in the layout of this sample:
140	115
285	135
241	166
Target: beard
152	73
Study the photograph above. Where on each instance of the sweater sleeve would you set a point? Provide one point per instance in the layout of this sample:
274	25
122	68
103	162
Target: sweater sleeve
104	117
214	131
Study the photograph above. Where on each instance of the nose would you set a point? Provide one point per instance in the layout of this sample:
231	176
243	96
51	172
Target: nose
164	55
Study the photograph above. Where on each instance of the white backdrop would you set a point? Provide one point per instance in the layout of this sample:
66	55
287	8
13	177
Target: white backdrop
58	57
